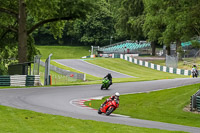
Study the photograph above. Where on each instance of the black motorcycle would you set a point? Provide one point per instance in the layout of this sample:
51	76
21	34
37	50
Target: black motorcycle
195	74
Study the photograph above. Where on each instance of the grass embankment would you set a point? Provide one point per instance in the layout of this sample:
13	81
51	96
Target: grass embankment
185	64
164	106
142	73
71	52
63	52
24	121
59	79
88	76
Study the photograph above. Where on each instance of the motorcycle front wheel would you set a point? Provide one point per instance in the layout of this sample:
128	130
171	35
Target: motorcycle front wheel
110	110
101	87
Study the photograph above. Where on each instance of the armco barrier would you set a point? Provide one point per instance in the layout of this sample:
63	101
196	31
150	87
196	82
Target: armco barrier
65	72
193	101
127	57
20	80
4	80
156	67
198	103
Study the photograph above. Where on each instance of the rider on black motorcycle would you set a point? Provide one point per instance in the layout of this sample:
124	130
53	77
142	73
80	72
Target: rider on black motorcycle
194	71
109	76
116	96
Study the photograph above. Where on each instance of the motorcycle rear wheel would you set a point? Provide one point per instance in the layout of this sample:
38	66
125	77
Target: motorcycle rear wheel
99	111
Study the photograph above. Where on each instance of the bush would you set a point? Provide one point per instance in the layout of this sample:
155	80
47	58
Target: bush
3	69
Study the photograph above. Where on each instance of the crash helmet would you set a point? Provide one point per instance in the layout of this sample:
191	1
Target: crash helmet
117	94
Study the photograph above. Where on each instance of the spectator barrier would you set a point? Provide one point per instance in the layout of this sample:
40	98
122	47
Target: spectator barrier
20	80
195	101
156	67
66	72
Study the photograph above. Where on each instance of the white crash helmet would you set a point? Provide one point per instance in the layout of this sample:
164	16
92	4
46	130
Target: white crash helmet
117	94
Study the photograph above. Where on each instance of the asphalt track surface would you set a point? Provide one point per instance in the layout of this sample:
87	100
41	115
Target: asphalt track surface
66	101
91	69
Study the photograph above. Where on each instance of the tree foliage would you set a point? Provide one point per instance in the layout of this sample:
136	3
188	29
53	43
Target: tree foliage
89	22
24	16
96	29
171	21
130	19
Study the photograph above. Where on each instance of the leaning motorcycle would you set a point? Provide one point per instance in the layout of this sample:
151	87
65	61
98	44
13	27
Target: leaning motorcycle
105	83
109	107
195	74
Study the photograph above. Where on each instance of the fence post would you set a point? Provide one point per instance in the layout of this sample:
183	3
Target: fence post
191	103
47	70
198	103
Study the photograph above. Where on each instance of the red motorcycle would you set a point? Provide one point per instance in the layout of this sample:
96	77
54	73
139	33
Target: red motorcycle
109	107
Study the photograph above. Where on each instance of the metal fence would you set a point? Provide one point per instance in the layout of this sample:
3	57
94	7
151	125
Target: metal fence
171	61
20	80
36	65
69	74
195	101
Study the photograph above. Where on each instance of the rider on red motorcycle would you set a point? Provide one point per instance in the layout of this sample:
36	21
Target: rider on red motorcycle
116	96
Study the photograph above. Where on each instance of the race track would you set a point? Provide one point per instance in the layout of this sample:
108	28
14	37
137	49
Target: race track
91	69
64	101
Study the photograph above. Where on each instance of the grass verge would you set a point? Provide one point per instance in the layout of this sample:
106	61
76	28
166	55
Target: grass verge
24	121
142	73
119	65
88	76
164	106
63	52
186	63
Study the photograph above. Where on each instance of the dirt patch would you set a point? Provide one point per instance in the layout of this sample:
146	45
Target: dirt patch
187	109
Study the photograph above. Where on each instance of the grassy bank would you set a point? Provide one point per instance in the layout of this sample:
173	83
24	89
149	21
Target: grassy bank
139	73
24	121
186	63
88	76
142	73
76	52
63	52
164	106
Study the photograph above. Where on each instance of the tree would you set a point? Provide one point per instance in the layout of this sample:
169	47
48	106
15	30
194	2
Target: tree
171	21
130	19
97	28
24	16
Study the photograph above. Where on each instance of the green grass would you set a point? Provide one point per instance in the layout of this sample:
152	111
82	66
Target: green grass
64	52
24	121
181	64
70	52
57	79
164	106
88	76
142	73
